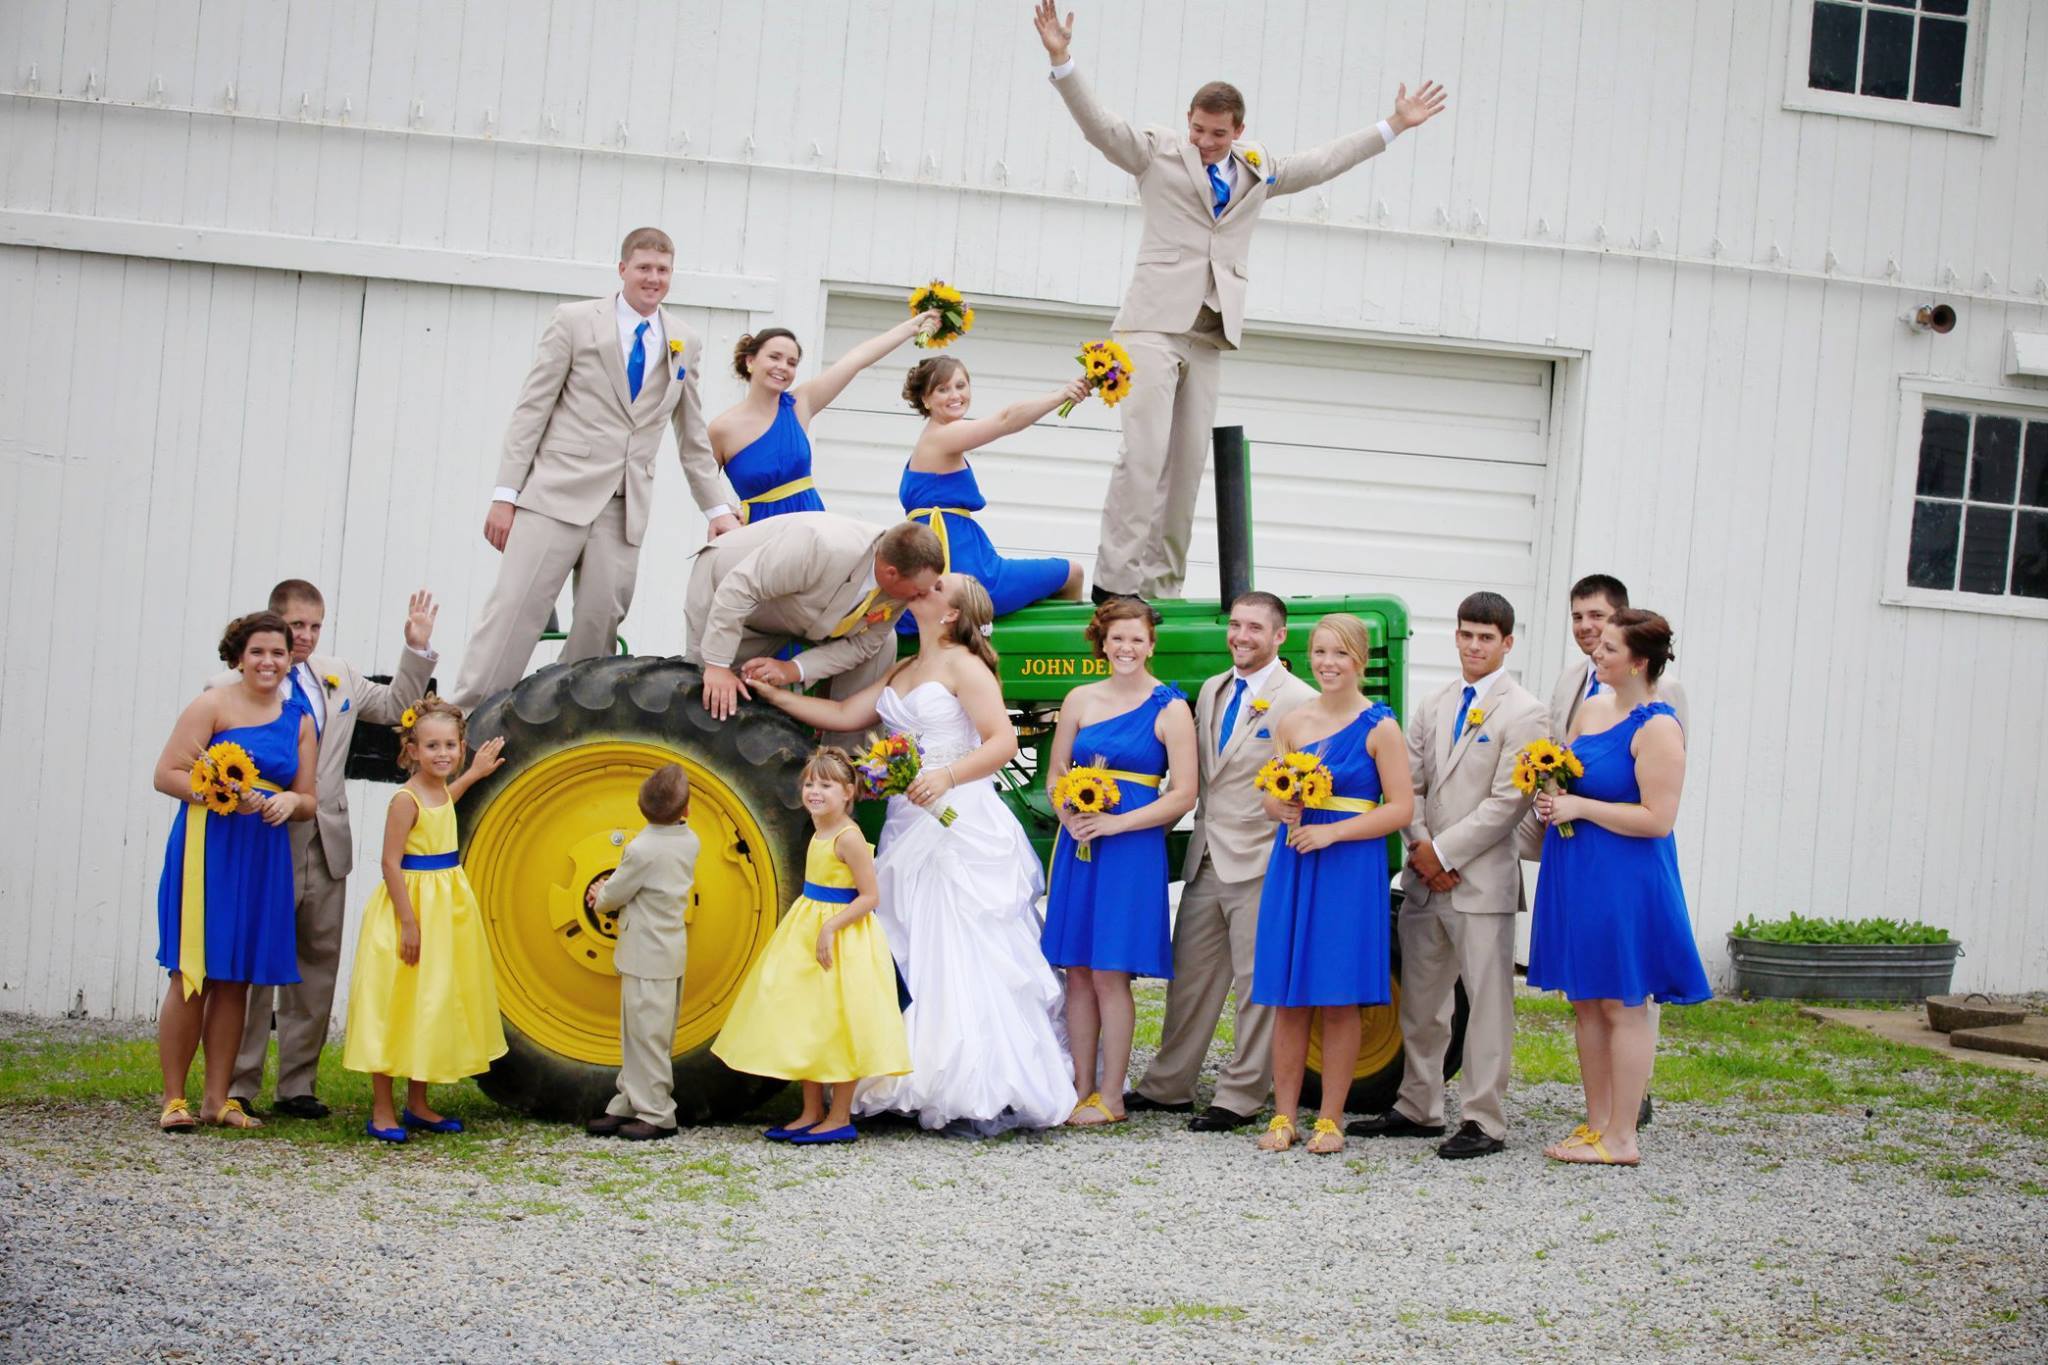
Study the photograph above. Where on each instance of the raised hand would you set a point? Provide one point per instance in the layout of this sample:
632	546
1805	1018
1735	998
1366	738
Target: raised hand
420	614
1055	35
1412	111
928	321
489	757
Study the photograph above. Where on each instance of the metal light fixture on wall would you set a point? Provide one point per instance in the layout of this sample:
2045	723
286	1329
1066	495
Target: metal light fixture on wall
1937	318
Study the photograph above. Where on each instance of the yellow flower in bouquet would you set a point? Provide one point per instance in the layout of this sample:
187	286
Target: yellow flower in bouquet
1108	370
956	319
233	763
1086	790
1297	776
1544	763
221	775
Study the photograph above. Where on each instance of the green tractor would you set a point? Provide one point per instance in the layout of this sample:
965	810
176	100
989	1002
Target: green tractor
580	737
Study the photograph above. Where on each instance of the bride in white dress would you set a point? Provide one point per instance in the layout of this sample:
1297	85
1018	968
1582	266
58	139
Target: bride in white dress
959	901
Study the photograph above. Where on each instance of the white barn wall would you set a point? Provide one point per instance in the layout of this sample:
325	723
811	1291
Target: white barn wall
1617	185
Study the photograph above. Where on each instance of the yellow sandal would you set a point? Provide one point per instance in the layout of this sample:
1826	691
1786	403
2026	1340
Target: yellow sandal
1325	1128
1094	1102
176	1118
1279	1134
233	1115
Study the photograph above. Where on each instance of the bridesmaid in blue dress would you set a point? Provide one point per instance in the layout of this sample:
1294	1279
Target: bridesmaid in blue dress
1611	928
764	441
224	917
939	488
1324	912
1105	912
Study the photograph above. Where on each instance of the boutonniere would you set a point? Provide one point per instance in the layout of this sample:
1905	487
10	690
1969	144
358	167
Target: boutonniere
877	616
1260	706
1254	158
333	683
1475	718
675	350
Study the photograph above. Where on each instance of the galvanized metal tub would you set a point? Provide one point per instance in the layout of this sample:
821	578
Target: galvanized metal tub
1842	971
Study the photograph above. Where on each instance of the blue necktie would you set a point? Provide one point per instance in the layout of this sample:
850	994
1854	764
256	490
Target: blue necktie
1229	717
1594	690
1464	710
306	700
636	363
1221	189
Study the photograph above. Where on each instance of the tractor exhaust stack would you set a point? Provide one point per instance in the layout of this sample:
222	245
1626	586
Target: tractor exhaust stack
1233	514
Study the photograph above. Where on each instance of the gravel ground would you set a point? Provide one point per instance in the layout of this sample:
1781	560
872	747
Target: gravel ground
1903	1235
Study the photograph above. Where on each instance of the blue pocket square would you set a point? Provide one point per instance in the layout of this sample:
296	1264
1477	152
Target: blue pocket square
1262	734
344	705
681	371
1483	739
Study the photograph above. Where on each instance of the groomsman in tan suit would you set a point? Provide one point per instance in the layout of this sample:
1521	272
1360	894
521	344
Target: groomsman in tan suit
323	849
577	478
1201	193
830	583
1461	888
1217	930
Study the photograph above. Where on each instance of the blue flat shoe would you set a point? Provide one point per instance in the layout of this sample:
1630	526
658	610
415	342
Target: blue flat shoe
815	1136
781	1133
414	1121
384	1134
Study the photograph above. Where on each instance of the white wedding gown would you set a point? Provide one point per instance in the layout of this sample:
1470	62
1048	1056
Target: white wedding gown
960	906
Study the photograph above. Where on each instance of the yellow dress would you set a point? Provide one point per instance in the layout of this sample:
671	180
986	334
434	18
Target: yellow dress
436	1020
794	1019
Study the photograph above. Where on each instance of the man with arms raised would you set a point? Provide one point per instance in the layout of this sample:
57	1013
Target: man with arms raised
577	478
1461	887
1201	191
1217	930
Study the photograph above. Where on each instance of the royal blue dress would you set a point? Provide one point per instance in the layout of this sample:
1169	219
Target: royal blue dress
1109	912
1610	918
947	502
1325	917
251	926
778	457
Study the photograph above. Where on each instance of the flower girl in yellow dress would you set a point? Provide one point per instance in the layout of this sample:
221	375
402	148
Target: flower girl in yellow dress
819	1005
423	1003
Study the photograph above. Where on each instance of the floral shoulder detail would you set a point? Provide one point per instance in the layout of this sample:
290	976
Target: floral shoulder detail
1167	692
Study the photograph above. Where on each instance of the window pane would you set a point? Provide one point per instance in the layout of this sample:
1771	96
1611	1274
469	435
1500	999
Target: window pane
1945	7
2034	482
1895	4
1944	443
1997	463
1931	562
1938	70
1832	63
1987	536
2030	556
1887	54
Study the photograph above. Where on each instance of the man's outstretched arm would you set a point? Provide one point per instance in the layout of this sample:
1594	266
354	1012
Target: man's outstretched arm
1302	170
1126	147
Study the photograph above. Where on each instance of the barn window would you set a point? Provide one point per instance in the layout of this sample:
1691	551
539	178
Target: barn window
1975	520
1910	61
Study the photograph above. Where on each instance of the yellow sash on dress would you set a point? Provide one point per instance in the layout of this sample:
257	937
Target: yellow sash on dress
936	517
781	491
192	908
1356	805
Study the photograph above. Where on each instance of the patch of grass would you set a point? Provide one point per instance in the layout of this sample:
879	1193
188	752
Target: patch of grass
1482	1315
1186	1314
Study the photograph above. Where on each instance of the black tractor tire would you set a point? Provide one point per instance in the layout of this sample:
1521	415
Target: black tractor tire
757	754
1375	1093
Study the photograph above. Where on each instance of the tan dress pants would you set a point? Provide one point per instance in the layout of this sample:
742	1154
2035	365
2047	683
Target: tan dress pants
1215	938
647	1032
1438	946
540	555
302	1011
1148	516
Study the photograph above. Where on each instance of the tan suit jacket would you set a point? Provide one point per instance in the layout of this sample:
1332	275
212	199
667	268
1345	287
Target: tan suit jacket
1571	690
1231	825
576	440
651	894
1466	804
794	577
1186	255
377	703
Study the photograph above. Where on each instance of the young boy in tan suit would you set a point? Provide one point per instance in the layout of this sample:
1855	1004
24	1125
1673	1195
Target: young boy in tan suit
650	894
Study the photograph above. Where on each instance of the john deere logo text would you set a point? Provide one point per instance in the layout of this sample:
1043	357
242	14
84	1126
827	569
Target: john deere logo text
1065	668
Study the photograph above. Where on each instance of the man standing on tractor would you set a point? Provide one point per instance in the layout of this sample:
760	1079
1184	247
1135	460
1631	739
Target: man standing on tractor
1201	193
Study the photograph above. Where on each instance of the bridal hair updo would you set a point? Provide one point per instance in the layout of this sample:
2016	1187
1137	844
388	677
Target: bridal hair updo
1120	609
926	375
749	346
975	617
235	639
1646	636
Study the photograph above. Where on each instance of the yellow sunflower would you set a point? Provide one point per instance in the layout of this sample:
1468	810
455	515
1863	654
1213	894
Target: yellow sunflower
203	776
409	719
1525	778
1545	756
1278	780
1303	762
1572	766
1316	787
233	764
221	800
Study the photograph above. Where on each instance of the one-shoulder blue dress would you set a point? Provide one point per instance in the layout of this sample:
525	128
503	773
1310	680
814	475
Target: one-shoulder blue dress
947	503
1325	917
772	474
1109	911
251	925
1610	921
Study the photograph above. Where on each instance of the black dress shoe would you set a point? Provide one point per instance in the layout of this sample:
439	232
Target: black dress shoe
301	1107
638	1130
1645	1111
1134	1103
1469	1141
1217	1119
606	1125
1393	1123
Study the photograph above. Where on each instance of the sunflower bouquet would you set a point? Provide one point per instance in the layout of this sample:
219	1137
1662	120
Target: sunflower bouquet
1299	776
1086	789
956	319
1108	369
221	775
1546	764
889	766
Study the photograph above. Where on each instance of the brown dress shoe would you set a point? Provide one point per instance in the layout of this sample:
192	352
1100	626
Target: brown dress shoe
607	1125
637	1130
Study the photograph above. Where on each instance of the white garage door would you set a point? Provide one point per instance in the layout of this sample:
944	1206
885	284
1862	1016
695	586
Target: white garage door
1404	470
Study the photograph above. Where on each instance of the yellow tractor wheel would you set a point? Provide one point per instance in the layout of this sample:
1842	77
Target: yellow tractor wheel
579	740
